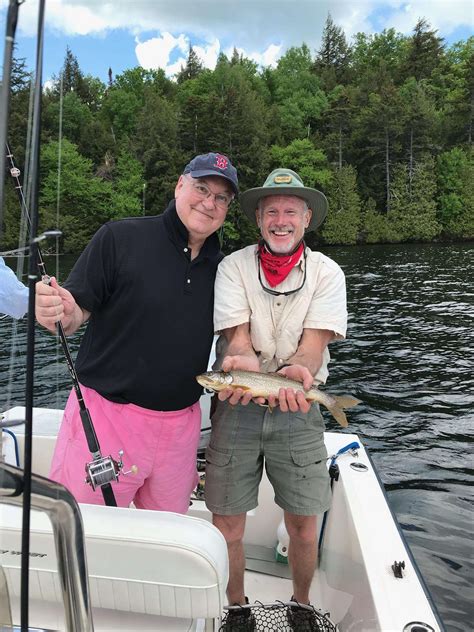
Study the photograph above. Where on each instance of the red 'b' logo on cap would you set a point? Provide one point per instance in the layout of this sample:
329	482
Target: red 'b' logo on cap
221	162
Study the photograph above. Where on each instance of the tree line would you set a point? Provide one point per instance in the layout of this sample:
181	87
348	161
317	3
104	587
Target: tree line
383	126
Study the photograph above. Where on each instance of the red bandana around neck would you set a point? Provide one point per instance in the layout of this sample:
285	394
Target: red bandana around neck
277	267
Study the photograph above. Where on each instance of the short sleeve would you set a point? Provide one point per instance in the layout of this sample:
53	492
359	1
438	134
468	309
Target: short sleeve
91	281
328	308
231	306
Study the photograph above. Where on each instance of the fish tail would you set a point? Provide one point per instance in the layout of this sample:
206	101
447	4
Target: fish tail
339	415
346	401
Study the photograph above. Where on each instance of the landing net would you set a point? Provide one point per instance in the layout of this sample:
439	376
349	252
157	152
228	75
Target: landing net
277	617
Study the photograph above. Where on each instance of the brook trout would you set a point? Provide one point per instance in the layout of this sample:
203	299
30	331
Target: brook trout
266	384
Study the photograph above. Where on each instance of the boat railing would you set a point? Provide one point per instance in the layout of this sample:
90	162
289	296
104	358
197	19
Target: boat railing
63	511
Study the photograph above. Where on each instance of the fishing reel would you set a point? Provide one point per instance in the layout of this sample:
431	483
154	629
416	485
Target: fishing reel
105	469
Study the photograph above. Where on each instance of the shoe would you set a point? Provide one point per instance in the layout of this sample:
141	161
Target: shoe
302	618
238	620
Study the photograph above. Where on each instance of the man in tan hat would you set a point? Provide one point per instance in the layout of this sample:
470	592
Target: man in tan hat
277	307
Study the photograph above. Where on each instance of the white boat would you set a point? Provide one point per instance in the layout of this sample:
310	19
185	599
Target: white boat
151	570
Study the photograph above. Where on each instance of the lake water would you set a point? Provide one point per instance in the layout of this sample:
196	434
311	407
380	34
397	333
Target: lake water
408	357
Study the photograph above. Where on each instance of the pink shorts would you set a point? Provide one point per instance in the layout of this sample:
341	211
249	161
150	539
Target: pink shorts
162	445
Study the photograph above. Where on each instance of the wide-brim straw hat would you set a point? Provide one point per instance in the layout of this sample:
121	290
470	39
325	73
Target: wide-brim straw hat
286	182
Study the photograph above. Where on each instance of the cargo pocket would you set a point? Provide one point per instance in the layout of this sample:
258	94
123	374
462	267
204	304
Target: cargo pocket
310	478
217	458
306	457
218	479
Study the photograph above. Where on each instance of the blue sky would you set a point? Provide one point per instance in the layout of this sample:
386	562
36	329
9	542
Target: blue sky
122	34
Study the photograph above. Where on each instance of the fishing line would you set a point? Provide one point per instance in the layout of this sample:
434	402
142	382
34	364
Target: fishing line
58	199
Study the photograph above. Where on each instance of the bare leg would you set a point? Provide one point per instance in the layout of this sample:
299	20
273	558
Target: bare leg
232	528
302	553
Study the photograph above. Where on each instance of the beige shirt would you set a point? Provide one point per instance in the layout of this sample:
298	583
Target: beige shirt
277	322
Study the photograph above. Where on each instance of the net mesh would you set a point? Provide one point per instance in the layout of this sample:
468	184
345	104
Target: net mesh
276	617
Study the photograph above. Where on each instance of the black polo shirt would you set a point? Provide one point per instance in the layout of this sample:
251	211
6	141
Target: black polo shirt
151	324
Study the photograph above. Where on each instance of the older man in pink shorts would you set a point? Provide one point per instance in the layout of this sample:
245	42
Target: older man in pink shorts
145	286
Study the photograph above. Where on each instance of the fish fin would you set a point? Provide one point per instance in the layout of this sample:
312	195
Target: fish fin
339	415
346	401
270	408
242	388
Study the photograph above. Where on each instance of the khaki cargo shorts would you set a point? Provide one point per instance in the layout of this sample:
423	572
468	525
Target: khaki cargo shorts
290	446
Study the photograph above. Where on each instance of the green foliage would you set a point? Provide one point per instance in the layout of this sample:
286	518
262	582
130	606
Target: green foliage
343	222
84	202
456	193
128	187
374	224
299	99
412	214
377	56
303	157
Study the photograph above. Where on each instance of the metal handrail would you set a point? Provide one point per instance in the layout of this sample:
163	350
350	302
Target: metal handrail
63	510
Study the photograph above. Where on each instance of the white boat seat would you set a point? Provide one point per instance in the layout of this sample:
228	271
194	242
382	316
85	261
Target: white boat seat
149	562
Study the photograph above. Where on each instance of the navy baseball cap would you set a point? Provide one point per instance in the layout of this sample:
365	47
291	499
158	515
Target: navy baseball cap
213	165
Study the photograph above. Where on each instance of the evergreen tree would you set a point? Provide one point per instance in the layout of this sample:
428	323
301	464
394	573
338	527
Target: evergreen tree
19	105
335	126
194	114
155	143
425	51
333	58
419	122
193	68
374	225
20	76
454	89
412	214
376	141
72	78
343	222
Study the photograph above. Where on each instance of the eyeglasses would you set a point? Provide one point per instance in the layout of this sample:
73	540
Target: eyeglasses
203	192
274	292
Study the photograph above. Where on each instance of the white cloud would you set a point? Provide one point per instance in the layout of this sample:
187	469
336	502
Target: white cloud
443	16
268	57
155	52
208	54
